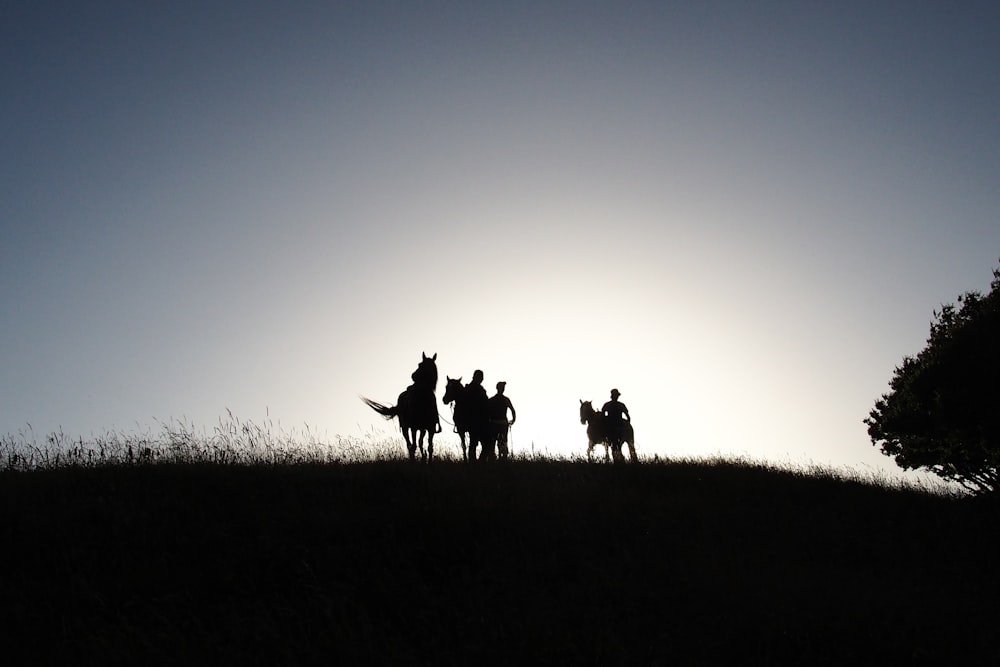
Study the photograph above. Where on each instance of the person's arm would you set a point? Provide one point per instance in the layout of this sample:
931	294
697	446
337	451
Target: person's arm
513	412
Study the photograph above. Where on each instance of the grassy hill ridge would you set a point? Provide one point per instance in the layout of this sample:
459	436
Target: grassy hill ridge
557	562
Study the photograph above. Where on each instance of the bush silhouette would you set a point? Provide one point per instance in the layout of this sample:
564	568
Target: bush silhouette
943	411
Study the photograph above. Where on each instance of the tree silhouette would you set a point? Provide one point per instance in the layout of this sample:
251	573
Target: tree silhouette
943	411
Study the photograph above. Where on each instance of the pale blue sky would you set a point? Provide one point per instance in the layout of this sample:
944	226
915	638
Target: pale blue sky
740	214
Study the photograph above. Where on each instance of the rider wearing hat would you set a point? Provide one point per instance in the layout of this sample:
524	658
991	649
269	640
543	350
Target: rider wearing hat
615	415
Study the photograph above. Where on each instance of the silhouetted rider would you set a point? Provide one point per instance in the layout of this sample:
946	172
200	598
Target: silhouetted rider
615	416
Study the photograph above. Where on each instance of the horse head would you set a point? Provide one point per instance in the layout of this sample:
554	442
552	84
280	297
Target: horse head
426	375
586	411
452	389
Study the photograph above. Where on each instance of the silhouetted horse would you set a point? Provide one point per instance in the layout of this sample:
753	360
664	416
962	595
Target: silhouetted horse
597	434
468	420
416	409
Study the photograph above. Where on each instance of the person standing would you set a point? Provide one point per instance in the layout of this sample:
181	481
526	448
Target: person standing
477	401
498	406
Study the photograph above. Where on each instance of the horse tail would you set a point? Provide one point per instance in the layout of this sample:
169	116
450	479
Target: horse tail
387	411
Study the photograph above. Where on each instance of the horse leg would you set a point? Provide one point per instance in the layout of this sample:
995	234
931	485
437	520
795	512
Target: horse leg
420	440
430	445
411	446
461	439
406	438
616	451
631	451
486	452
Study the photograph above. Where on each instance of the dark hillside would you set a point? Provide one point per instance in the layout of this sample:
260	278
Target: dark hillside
546	562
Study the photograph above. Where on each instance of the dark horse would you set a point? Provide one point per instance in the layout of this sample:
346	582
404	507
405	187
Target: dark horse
468	420
416	409
597	434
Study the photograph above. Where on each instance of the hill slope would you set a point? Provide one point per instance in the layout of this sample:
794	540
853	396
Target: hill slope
540	561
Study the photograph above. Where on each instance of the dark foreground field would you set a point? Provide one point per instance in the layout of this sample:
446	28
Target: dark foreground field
538	562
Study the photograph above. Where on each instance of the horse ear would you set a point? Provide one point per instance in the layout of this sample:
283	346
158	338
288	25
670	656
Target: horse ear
424	355
435	357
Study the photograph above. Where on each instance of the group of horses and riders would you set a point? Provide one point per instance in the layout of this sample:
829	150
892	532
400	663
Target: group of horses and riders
480	418
481	421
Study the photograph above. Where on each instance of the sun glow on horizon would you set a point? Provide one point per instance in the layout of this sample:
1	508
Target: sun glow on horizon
275	211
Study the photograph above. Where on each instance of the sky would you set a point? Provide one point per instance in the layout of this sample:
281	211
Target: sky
741	215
